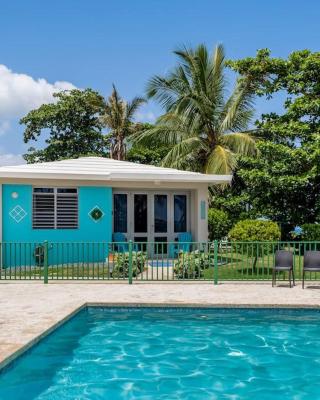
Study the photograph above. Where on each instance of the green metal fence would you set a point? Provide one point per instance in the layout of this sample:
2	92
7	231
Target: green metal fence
149	261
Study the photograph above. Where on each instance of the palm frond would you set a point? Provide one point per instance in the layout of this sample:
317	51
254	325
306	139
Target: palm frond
133	105
221	161
179	155
238	110
162	90
240	143
170	129
217	81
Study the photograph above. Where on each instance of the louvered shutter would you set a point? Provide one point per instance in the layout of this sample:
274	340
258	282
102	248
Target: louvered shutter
67	208
55	208
43	206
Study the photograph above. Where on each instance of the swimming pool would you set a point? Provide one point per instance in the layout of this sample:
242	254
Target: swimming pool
173	353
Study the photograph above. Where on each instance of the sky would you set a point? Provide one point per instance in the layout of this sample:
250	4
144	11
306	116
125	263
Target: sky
47	46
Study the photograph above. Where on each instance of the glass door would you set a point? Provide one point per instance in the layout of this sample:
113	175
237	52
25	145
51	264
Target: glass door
160	226
180	213
140	219
120	213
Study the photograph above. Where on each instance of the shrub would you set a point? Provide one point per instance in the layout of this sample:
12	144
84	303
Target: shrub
219	224
191	265
255	230
310	232
121	264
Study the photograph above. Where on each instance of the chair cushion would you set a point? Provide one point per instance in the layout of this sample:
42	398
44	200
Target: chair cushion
279	268
315	269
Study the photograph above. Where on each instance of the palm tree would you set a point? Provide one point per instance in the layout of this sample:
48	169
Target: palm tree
207	130
118	118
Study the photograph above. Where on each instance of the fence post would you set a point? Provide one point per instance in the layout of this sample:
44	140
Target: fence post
215	255
45	262
130	262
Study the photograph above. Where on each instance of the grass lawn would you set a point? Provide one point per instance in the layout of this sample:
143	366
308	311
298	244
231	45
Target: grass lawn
241	267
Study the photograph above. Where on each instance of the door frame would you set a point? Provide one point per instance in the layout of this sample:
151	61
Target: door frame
151	235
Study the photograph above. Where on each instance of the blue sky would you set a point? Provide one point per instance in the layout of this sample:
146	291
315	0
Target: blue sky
98	42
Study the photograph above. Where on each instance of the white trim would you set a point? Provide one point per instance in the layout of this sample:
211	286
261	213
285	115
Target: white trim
107	170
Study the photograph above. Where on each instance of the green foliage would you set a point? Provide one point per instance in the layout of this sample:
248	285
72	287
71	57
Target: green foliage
191	265
121	264
311	232
219	224
299	77
73	126
283	182
146	155
204	128
255	230
152	154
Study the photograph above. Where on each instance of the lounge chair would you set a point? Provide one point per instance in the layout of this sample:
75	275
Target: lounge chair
120	242
183	244
283	262
311	263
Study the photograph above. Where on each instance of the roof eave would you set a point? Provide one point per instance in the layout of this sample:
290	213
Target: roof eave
209	179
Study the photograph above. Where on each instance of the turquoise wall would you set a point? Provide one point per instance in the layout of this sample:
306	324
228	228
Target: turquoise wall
88	229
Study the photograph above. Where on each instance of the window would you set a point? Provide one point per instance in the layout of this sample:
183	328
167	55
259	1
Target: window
180	213
55	208
120	213
140	213
160	213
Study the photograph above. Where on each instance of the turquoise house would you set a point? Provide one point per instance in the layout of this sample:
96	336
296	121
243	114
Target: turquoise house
89	199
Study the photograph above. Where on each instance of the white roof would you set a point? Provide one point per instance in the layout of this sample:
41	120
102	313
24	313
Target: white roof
105	169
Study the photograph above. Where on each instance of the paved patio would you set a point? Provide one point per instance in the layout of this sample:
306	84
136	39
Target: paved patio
28	311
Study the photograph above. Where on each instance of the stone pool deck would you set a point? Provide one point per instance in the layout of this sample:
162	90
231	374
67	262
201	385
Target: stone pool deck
28	311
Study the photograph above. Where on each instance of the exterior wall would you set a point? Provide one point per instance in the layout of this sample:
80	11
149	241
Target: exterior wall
199	214
88	230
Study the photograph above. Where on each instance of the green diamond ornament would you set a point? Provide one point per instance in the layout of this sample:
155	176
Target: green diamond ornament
96	214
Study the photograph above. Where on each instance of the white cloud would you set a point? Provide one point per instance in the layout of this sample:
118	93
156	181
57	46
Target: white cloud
20	93
11	159
4	127
147	116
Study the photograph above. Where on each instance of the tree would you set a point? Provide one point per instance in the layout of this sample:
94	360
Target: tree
152	154
297	77
73	126
219	224
283	182
118	118
205	130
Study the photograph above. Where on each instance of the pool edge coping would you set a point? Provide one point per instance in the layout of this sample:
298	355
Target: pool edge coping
34	341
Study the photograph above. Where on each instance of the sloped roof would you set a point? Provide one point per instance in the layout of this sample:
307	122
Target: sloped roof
105	169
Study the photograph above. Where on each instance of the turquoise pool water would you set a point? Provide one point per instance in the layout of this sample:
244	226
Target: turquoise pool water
173	354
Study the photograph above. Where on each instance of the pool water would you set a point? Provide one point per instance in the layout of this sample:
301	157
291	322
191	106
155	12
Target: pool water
110	353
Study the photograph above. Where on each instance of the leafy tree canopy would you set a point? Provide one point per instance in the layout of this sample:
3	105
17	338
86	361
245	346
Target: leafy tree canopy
299	78
72	125
283	182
